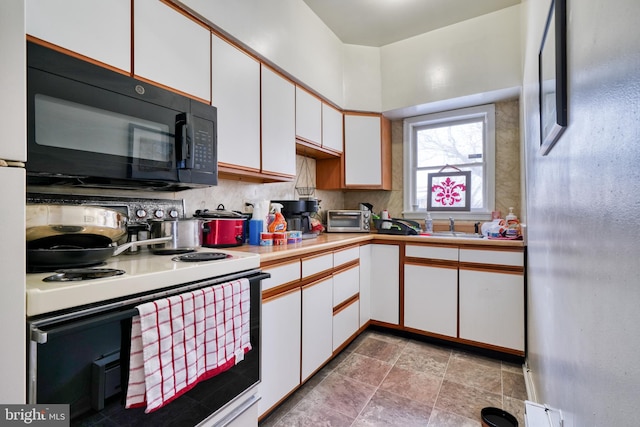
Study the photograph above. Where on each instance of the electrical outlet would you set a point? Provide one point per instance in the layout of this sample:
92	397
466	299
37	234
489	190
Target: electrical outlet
247	206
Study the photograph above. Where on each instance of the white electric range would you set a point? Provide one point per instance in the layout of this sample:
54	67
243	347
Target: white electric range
144	272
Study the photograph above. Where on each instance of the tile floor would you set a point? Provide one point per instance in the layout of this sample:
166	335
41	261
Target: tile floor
384	380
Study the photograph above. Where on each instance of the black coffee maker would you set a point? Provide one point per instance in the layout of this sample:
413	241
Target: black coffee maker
297	213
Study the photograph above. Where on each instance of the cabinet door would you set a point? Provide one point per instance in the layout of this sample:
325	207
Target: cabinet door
365	284
492	308
235	85
431	299
280	371
99	30
317	325
362	150
278	124
346	284
345	324
332	128
385	283
171	49
308	117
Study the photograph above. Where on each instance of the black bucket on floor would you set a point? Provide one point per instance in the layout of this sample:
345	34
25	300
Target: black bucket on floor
496	417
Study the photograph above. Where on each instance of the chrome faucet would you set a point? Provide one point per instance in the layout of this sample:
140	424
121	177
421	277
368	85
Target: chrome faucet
452	224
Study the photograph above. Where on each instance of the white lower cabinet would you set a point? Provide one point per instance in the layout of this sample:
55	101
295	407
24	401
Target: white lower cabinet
345	323
317	325
365	284
431	299
385	283
281	323
431	289
492	297
346	284
346	312
492	308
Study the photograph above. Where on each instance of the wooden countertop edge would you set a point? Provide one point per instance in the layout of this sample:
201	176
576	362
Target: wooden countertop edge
328	241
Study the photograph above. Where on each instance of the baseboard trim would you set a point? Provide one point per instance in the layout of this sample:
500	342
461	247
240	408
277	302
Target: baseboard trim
528	382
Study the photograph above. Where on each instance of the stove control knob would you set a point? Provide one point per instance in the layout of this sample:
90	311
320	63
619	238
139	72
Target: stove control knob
159	214
173	213
141	213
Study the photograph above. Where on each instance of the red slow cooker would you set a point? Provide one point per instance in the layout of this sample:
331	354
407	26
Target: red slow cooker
222	229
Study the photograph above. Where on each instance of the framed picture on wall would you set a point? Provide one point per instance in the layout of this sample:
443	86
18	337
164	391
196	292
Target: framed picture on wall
552	74
449	191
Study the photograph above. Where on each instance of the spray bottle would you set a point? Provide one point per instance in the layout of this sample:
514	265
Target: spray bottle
279	224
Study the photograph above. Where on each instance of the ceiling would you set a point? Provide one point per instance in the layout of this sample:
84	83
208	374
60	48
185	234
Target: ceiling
381	22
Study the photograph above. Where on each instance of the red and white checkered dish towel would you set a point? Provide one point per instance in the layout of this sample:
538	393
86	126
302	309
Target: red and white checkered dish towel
181	340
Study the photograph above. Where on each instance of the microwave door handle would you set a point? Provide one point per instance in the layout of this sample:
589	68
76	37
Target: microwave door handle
185	141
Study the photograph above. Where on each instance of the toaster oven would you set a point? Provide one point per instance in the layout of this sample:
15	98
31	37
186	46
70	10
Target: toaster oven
348	221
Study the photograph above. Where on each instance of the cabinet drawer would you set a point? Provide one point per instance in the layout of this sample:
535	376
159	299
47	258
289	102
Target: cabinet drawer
345	255
317	264
346	284
281	274
432	252
345	324
515	258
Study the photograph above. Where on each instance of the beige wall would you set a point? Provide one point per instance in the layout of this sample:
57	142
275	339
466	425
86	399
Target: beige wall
507	167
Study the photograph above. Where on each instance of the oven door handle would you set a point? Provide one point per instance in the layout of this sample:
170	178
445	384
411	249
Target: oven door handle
41	336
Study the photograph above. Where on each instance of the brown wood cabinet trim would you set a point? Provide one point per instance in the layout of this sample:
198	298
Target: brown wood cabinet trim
186	14
430	262
430	334
435	245
307	257
476	247
73	54
346	266
490	347
280	291
281	262
310	149
346	303
313	281
347	247
350	339
492	268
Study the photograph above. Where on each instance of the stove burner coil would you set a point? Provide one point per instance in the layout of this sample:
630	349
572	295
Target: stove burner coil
75	274
172	251
201	256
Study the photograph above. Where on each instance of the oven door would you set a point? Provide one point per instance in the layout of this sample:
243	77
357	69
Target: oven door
81	359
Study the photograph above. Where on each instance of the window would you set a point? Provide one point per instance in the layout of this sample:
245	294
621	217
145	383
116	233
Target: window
462	139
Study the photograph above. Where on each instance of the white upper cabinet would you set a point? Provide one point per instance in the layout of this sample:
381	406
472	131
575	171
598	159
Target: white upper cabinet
170	49
100	30
308	116
235	91
278	124
331	128
363	153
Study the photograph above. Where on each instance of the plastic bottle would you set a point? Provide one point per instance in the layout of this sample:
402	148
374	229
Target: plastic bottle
513	224
279	224
428	224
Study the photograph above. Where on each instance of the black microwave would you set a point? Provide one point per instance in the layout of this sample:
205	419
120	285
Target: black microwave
90	126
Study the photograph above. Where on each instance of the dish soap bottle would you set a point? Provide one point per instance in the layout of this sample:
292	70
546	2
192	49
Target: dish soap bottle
428	224
279	224
513	224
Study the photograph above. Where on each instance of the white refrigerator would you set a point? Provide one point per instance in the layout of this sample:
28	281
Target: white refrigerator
12	196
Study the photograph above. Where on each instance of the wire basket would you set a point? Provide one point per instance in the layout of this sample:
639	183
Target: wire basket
305	191
305	177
